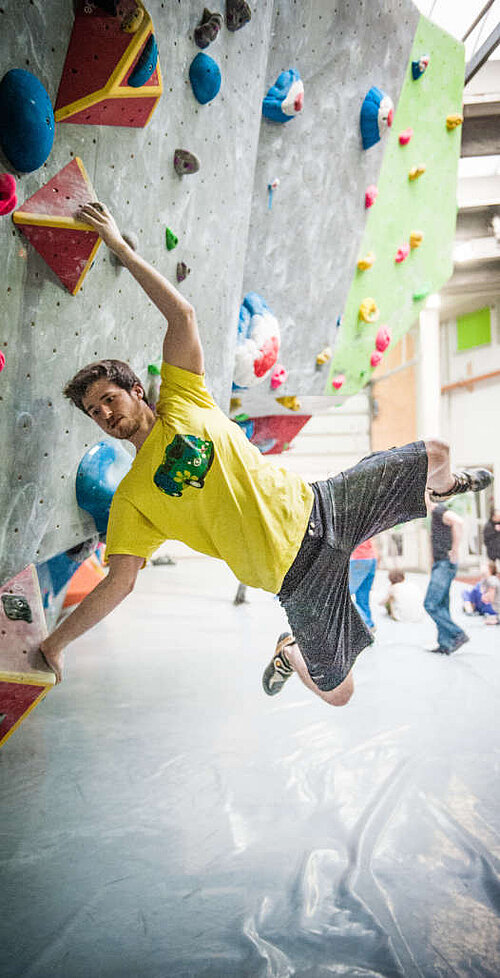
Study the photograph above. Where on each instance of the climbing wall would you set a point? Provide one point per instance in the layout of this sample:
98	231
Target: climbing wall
46	334
300	254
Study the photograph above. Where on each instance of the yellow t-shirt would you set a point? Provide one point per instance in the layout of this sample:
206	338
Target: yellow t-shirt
198	479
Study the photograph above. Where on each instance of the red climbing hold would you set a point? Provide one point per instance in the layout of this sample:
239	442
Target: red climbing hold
371	195
338	381
2	361
402	253
267	357
383	338
405	136
8	199
376	358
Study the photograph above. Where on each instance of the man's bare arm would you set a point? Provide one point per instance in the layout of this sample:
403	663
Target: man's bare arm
123	570
181	345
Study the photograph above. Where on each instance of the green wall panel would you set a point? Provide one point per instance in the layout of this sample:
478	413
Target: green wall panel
427	204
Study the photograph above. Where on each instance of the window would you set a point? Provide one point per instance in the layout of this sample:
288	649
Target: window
474	329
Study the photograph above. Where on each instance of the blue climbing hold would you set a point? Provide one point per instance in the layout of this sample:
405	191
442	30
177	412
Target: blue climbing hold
145	65
377	113
285	99
205	78
26	120
101	470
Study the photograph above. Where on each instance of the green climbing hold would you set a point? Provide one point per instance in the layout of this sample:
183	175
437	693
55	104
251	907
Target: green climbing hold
241	417
171	239
421	293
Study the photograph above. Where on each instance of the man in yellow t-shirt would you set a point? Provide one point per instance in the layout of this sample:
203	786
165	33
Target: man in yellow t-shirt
198	479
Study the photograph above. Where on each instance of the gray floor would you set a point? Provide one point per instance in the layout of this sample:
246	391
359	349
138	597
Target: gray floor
161	818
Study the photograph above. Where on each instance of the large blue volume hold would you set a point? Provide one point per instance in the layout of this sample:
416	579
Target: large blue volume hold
99	474
26	120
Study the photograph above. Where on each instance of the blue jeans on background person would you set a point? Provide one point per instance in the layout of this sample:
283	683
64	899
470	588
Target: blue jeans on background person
361	576
437	603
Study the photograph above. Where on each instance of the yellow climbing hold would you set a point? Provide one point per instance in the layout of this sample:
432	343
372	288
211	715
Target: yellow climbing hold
366	262
368	311
234	403
290	402
453	120
416	238
324	356
416	172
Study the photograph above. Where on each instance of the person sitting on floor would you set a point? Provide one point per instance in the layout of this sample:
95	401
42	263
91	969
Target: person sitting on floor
403	601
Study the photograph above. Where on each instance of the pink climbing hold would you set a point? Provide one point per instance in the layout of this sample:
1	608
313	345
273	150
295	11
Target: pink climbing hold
405	136
2	361
371	195
8	199
376	358
383	338
402	253
278	376
338	381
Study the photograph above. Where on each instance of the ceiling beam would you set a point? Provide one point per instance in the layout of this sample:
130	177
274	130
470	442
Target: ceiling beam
481	56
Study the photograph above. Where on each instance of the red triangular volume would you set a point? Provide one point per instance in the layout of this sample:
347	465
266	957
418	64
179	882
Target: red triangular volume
96	46
48	219
66	251
133	112
62	195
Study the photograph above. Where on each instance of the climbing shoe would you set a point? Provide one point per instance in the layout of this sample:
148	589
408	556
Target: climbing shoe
279	669
469	480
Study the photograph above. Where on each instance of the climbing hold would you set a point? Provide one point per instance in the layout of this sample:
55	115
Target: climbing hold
366	262
377	113
402	253
368	311
383	338
324	356
270	187
258	342
182	271
238	13
132	241
205	78
208	28
8	199
421	293
454	120
26	120
100	471
2	361
47	219
146	64
171	239
371	194
338	381
416	172
185	162
291	402
418	67
111	75
278	376
154	384
285	98
234	403
376	358
405	136
416	238
133	20
241	417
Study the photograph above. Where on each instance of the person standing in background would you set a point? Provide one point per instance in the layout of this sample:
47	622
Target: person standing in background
491	535
362	567
446	533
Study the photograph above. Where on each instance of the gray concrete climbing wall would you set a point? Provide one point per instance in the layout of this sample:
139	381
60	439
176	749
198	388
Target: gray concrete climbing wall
301	253
45	333
296	255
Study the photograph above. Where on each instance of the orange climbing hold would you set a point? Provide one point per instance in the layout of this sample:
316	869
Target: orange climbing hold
453	121
366	262
416	238
416	172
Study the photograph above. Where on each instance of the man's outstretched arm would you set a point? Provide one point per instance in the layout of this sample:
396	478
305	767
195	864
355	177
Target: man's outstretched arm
181	345
123	570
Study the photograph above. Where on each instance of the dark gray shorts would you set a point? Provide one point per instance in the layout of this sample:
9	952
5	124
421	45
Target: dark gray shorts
382	490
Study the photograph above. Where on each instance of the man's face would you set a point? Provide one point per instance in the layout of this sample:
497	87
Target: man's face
117	412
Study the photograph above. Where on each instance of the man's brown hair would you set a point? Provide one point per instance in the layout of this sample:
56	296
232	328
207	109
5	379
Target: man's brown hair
114	370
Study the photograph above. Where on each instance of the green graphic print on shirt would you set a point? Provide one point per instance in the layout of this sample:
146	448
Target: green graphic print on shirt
186	462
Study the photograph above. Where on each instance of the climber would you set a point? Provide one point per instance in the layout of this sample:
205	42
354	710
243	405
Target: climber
197	478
